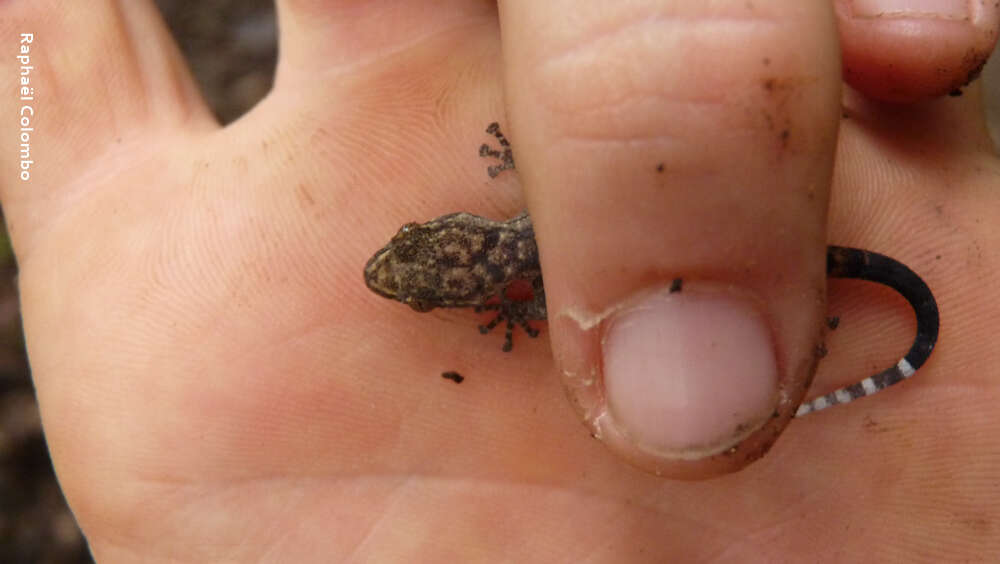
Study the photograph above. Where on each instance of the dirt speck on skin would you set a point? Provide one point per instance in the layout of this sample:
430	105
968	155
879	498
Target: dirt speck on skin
821	350
977	69
453	376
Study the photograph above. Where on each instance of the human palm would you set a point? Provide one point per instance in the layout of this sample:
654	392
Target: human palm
217	384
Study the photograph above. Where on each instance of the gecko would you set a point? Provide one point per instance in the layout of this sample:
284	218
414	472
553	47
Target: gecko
461	260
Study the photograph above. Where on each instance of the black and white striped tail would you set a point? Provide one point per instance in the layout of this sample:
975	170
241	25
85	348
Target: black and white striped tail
843	262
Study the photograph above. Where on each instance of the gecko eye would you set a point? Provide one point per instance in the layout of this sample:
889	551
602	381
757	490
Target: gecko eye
407	252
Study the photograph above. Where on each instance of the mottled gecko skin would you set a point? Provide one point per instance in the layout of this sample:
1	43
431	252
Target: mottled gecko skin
463	260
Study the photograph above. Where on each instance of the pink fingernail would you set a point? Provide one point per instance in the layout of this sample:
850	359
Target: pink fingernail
689	374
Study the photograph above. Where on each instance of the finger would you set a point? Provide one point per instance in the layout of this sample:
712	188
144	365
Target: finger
671	141
92	78
908	50
321	37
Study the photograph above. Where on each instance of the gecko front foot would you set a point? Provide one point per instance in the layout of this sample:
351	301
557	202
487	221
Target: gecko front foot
516	312
513	313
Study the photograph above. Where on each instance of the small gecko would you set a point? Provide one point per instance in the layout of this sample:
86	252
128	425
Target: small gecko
462	260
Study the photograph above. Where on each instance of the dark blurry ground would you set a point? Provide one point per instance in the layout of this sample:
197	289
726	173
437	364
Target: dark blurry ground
230	45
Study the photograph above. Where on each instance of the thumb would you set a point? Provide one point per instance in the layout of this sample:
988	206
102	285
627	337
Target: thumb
677	159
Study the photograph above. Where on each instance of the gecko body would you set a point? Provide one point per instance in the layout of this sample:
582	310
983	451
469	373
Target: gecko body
462	260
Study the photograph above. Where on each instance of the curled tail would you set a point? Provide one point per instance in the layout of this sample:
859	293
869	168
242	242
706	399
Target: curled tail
844	262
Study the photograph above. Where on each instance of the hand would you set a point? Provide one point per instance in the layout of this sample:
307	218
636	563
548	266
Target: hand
216	383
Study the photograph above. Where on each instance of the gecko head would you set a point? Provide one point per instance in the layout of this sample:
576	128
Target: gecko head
403	270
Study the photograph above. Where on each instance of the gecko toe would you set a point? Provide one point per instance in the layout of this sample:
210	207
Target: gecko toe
508	336
484	329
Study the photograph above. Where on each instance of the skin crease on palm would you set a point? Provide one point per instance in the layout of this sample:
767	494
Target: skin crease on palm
217	384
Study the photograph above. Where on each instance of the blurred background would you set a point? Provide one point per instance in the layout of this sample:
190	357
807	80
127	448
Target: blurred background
231	47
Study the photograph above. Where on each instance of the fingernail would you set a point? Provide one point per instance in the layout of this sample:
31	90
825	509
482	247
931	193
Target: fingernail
689	374
943	9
